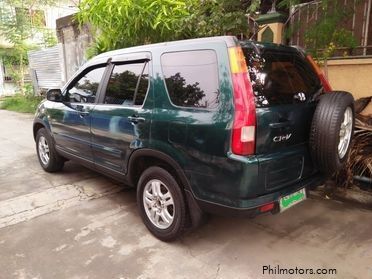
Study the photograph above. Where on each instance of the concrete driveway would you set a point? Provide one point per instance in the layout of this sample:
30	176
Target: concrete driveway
78	224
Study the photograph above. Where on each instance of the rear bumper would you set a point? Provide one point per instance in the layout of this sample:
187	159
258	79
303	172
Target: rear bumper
251	207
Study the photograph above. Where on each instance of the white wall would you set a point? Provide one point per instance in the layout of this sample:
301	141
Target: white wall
6	88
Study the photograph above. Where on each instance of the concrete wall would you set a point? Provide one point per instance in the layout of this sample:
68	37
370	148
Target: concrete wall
351	74
61	8
75	40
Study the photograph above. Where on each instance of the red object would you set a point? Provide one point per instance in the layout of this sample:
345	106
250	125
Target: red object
326	85
267	207
244	127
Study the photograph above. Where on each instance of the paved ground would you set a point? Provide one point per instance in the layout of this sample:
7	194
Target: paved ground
77	224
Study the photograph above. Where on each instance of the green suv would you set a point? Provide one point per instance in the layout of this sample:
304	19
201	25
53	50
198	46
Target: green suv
211	125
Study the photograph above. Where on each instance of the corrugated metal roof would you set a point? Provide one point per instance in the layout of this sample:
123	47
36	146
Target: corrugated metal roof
47	65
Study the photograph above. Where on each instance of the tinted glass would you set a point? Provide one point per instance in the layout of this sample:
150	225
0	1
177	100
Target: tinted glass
192	78
85	89
280	77
123	83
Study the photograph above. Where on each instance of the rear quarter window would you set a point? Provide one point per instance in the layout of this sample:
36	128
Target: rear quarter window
280	77
191	78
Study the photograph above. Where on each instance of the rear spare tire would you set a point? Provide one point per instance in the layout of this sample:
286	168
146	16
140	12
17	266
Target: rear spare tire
331	131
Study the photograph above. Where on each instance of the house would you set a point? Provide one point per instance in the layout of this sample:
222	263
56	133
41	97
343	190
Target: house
43	20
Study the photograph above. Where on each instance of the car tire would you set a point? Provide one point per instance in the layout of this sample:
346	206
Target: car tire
331	131
48	157
161	204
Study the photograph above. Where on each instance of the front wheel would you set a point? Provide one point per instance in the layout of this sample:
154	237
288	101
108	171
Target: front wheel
49	159
161	204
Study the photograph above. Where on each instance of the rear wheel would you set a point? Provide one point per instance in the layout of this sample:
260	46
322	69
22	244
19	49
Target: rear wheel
331	131
49	159
161	204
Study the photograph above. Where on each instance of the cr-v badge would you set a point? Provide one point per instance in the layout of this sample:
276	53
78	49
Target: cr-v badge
282	138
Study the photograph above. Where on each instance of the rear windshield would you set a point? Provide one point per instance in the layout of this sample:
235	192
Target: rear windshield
280	77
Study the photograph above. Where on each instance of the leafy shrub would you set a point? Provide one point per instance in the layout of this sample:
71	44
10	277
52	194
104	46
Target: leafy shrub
20	103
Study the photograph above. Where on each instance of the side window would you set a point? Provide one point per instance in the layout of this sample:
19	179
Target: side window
191	78
127	85
85	89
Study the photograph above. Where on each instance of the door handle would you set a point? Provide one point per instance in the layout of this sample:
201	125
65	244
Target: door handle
136	119
83	113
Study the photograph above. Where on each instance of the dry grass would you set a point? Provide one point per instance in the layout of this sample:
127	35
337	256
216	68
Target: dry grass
360	158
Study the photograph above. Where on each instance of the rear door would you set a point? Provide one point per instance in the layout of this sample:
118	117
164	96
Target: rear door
120	122
285	87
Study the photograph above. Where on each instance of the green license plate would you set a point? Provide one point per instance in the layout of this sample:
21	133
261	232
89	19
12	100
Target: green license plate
292	199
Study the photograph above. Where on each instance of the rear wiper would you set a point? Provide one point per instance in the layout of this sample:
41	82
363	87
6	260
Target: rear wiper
317	94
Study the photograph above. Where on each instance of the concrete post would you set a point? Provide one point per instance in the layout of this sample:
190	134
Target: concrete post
271	27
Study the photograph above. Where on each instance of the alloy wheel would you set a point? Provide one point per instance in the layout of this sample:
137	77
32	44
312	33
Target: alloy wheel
345	132
159	204
44	153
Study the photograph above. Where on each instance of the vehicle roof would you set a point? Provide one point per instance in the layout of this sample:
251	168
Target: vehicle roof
229	40
264	45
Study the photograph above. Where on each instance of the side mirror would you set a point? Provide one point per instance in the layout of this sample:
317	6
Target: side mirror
54	95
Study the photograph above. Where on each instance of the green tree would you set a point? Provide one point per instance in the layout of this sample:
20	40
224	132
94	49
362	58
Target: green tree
324	35
126	23
216	17
20	21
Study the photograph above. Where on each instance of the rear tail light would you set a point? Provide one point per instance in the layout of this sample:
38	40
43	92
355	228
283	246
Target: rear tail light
327	87
244	127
